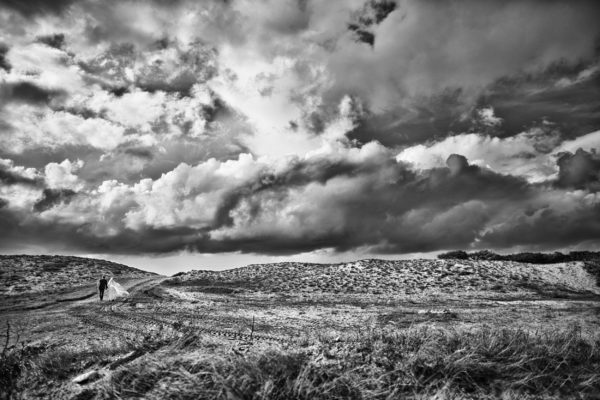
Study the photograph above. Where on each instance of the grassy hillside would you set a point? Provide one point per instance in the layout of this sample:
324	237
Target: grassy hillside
22	274
385	277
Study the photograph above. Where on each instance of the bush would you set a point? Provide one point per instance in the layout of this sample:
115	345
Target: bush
10	372
454	255
11	363
533	258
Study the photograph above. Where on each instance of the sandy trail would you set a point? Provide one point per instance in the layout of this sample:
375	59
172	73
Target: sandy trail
40	315
132	287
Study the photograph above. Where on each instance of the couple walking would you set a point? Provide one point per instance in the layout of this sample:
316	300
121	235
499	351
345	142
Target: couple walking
112	288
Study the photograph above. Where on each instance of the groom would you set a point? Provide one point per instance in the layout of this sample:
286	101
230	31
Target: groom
102	285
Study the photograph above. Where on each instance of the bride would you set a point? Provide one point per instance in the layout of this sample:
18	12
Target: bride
114	290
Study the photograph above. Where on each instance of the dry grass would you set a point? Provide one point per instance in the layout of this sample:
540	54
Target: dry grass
391	277
415	363
22	274
178	341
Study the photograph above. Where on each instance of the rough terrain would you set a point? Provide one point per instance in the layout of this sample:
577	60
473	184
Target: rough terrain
134	347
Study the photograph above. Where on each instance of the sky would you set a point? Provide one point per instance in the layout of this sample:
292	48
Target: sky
176	135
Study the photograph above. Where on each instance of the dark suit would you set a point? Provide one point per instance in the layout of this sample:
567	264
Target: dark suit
102	285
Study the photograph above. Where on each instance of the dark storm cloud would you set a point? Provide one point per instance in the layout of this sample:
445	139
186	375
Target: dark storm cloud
366	211
28	92
563	96
66	237
372	13
8	177
390	208
15	230
29	8
547	229
118	91
560	95
431	117
140	153
434	63
52	197
3	61
56	40
580	170
298	173
396	215
82	112
365	222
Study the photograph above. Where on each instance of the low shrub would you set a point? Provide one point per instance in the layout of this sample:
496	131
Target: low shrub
11	367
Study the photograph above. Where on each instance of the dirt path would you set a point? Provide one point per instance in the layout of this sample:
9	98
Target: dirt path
41	319
133	287
141	311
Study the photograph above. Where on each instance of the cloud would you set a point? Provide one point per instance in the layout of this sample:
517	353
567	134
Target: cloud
31	8
587	142
13	175
56	40
372	13
51	197
527	155
580	170
44	66
34	128
140	153
28	92
487	117
340	198
4	64
61	175
425	47
563	94
285	127
554	220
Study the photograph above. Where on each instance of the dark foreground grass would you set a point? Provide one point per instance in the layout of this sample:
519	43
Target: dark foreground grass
416	363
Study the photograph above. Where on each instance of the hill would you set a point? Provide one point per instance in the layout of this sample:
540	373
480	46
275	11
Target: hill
371	329
24	274
389	277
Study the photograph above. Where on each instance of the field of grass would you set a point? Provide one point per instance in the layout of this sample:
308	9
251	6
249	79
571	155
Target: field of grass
413	363
508	331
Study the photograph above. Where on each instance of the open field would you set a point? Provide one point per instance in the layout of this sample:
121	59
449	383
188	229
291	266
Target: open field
371	329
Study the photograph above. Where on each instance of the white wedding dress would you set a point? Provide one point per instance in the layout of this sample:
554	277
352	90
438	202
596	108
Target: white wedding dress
114	290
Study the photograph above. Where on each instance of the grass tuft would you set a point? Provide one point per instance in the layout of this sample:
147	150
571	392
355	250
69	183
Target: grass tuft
416	363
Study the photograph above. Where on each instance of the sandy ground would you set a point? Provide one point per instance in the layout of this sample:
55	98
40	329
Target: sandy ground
285	317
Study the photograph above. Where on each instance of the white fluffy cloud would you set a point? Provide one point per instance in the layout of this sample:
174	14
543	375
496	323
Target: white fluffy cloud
19	170
32	128
589	142
529	154
62	176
